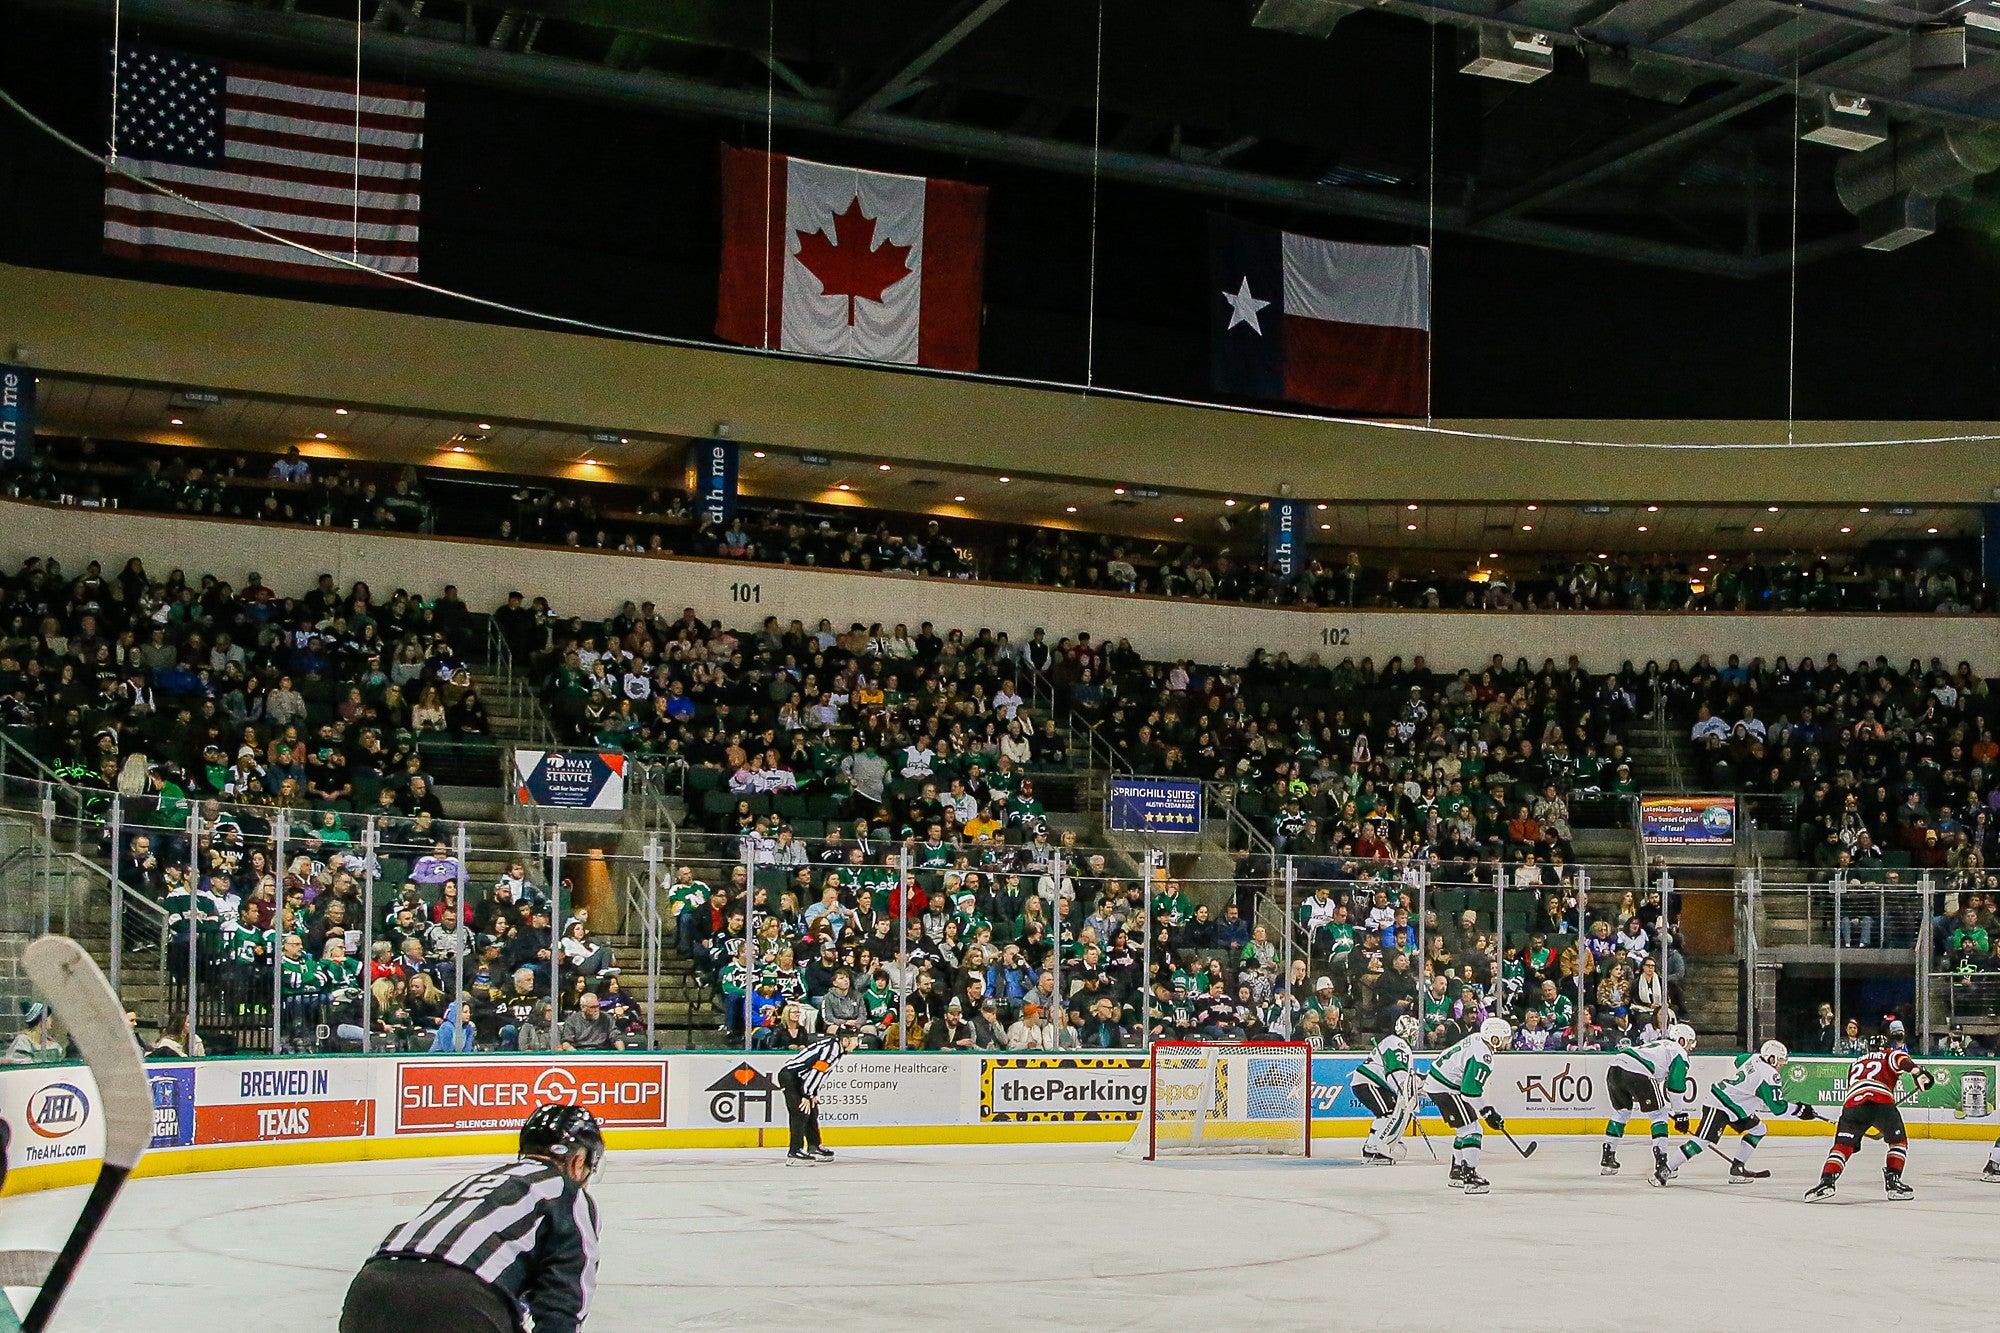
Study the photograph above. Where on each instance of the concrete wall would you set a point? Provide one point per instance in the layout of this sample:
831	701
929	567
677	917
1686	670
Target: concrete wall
78	324
591	584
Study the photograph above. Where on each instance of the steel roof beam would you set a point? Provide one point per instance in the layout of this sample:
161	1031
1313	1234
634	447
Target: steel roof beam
883	88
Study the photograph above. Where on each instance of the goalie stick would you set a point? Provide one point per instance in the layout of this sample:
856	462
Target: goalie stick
77	990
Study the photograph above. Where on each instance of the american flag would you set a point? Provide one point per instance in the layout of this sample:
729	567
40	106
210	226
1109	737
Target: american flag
272	148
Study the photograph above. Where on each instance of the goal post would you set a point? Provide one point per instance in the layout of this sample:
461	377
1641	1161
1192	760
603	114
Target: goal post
1208	1097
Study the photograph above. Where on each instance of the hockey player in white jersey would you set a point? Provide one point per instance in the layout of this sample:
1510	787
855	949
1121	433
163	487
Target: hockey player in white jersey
1383	1087
1991	1174
1652	1079
1740	1101
1456	1085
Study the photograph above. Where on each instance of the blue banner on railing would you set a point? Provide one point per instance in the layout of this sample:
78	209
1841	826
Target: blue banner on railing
173	1106
17	415
1153	805
714	464
570	779
1281	536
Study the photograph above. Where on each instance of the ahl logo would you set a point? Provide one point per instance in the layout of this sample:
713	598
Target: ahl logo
57	1110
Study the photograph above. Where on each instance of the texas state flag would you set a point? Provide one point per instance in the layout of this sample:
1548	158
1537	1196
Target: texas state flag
1329	323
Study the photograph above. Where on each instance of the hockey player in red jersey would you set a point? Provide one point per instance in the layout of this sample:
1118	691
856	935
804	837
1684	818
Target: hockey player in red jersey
1871	1104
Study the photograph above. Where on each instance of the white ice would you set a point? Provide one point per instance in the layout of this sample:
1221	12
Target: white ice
1070	1236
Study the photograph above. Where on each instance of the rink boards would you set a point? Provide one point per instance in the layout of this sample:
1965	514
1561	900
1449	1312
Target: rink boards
223	1113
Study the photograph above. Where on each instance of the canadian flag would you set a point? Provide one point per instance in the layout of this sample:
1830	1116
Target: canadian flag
833	261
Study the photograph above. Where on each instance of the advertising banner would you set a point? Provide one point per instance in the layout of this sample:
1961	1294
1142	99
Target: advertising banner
173	1105
1153	805
1282	543
741	1092
1015	1089
17	415
1687	821
1963	1091
713	463
55	1116
439	1097
267	1101
570	779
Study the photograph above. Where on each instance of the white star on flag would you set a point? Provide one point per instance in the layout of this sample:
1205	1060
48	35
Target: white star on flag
1243	307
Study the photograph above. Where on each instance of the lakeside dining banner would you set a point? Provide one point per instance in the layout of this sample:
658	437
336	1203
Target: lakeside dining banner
1687	821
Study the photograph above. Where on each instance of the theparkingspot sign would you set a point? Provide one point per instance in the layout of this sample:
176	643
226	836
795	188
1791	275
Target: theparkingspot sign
1076	1087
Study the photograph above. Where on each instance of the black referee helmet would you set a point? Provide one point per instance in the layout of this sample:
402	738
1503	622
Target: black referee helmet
559	1131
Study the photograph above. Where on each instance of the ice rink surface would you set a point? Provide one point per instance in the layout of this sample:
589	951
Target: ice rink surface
1071	1236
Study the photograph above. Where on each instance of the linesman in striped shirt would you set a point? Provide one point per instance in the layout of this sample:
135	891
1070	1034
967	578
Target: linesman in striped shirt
801	1079
510	1250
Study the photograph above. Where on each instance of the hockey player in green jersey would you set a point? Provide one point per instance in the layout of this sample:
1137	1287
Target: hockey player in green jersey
1991	1175
1739	1102
1456	1085
1382	1086
1651	1078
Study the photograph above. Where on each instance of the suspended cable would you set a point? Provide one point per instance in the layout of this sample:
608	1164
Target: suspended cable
1430	244
117	70
1096	148
770	147
1014	381
1792	301
356	243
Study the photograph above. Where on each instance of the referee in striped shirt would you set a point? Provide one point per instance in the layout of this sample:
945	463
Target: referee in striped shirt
801	1079
510	1250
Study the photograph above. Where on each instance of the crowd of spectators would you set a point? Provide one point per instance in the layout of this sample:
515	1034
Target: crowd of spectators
656	520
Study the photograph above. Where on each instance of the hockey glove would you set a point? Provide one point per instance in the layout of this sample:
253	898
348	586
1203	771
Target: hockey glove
1804	1112
1924	1079
1493	1119
1680	1122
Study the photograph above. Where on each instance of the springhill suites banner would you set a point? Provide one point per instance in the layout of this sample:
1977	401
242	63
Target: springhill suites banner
17	415
714	465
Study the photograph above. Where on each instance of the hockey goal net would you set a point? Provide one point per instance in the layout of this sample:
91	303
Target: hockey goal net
1222	1097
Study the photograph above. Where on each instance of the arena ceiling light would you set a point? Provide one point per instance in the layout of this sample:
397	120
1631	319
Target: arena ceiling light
319	435
1069	509
756	453
1229	504
959	499
1180	518
1005	480
1508	55
1320	505
1409	527
1844	120
1845	528
340	411
175	421
484	425
1652	509
882	467
1118	490
1411	508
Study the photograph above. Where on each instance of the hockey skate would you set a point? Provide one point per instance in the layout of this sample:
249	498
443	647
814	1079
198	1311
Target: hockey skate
1459	1171
1607	1165
1893	1186
1740	1174
1475	1183
821	1152
799	1157
1823	1190
1663	1170
1371	1153
1991	1175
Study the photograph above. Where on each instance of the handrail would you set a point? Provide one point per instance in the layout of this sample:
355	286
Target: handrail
527	704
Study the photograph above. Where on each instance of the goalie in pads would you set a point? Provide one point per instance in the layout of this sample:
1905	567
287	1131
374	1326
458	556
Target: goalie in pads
1386	1087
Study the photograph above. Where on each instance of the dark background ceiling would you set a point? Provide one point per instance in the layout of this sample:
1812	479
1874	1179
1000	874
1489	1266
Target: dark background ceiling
1599	252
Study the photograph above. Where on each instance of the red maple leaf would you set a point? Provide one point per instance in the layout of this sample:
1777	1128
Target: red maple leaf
851	264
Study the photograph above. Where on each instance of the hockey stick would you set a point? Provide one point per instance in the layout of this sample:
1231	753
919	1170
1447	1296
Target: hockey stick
77	991
1417	1118
1528	1151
